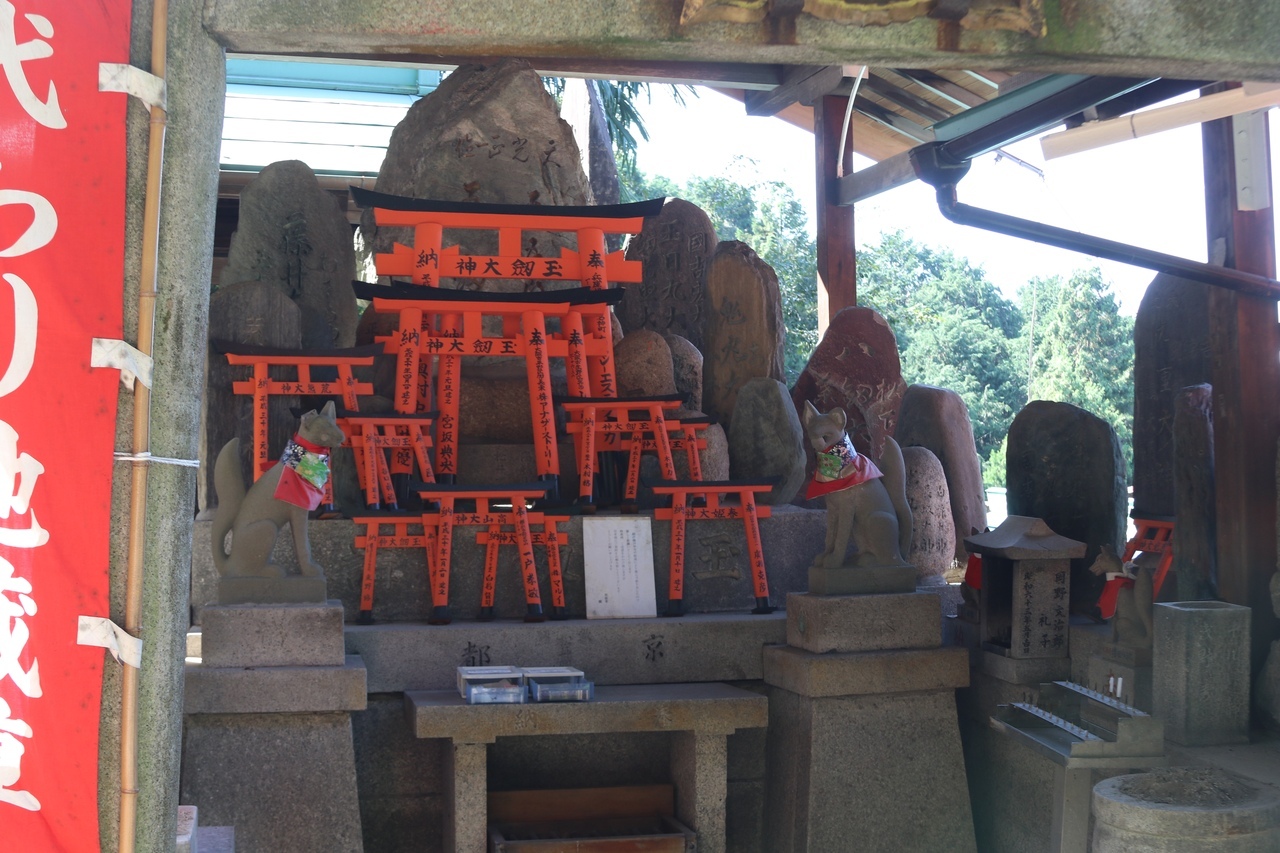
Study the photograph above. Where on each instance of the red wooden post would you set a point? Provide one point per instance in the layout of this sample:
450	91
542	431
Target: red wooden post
837	269
407	362
555	572
675	584
490	582
546	456
1245	373
439	567
370	545
528	569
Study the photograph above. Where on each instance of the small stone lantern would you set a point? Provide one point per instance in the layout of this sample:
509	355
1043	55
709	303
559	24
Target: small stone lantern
1026	572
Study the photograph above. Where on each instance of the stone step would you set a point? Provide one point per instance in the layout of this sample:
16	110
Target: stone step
697	647
216	839
864	623
717	572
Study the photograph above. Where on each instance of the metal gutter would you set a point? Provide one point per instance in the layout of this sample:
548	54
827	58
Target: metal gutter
944	176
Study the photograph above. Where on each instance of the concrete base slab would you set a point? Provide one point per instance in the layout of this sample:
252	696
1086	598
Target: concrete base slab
272	635
864	623
286	782
1029	671
275	689
216	839
291	589
876	774
865	673
701	647
851	580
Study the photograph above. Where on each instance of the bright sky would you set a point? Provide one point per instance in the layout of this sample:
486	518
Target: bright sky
1148	192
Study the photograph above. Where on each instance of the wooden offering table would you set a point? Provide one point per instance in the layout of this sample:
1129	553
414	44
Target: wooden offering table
699	716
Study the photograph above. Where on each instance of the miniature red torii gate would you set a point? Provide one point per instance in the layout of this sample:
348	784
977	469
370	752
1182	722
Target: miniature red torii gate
447	324
429	260
261	386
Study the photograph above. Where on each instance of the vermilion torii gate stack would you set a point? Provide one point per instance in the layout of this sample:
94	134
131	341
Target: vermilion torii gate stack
446	324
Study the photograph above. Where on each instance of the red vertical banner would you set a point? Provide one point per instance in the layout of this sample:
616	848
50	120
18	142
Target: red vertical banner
62	186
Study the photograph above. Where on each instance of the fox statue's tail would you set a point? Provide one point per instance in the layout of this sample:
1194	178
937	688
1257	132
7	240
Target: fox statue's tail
895	483
228	482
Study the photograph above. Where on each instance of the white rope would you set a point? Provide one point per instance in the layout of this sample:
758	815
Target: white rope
848	115
121	456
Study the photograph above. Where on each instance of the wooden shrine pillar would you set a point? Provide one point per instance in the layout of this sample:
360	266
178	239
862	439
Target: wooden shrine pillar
837	266
1244	342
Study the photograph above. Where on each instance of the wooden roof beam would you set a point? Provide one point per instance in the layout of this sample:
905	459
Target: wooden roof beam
902	98
800	84
888	174
942	87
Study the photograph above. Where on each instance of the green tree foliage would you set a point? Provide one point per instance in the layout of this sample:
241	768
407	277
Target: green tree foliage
1076	348
767	216
954	328
1065	340
619	101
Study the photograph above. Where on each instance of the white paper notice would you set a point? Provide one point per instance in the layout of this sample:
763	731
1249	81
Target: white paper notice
618	563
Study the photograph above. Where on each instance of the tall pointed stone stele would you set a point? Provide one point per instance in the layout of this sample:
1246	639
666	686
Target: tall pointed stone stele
488	133
1170	352
293	235
1064	466
855	366
938	419
744	335
674	247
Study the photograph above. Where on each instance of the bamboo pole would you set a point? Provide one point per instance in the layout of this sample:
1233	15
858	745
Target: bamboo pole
141	441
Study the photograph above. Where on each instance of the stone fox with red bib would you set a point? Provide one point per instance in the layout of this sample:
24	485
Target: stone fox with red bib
281	496
866	503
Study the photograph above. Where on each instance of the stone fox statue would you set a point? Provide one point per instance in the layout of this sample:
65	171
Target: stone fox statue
1126	599
863	504
281	496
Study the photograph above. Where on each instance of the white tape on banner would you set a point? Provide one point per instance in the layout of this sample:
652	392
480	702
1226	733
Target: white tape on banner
129	360
100	631
143	85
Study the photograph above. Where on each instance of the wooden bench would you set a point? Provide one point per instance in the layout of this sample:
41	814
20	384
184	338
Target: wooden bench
699	716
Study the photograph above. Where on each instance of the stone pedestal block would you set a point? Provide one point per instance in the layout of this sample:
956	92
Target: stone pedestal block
238	635
275	689
862	745
286	782
861	580
875	773
1029	671
862	623
865	673
267	740
1201	672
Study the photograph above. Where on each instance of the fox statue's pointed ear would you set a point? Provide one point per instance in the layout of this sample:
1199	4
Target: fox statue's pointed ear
840	416
808	413
328	411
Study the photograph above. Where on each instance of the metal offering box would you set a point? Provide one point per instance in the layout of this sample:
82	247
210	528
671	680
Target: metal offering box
558	684
488	685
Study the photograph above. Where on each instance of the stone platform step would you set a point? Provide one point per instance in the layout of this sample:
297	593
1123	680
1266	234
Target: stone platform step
717	570
701	647
715	708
